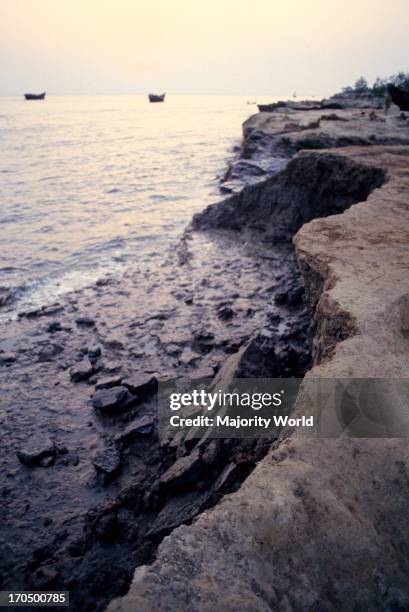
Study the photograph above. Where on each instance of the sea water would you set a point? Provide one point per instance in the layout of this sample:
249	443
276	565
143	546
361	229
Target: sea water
93	185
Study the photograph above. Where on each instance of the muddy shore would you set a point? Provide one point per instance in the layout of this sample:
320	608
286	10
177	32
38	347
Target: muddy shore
84	500
83	494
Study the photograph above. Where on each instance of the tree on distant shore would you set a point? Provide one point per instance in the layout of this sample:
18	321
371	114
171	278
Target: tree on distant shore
361	85
380	87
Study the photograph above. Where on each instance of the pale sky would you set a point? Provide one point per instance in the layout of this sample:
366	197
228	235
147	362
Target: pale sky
275	47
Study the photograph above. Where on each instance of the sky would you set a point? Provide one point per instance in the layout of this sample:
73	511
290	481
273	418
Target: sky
249	47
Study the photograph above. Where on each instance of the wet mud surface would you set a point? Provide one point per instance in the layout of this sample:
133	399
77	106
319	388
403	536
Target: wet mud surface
87	489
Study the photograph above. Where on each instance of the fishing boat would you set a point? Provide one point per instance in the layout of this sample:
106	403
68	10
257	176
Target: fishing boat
31	96
399	96
156	97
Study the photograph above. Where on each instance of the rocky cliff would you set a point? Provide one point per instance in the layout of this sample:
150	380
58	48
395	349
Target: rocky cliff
270	139
320	524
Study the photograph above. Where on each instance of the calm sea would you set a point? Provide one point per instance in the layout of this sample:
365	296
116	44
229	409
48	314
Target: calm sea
92	185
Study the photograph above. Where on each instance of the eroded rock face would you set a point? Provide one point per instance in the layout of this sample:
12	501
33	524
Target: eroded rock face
310	186
319	524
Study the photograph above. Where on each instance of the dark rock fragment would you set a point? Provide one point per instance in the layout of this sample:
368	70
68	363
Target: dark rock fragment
225	313
94	352
183	473
200	373
107	463
54	326
47	461
281	297
211	454
114	344
7	358
111	366
232	475
256	359
85	321
295	296
242	169
37	450
81	371
45	576
108	382
77	547
109	400
178	511
106	527
139	428
141	384
48	353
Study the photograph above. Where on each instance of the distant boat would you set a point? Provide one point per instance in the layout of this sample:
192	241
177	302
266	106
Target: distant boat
400	97
157	98
31	96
